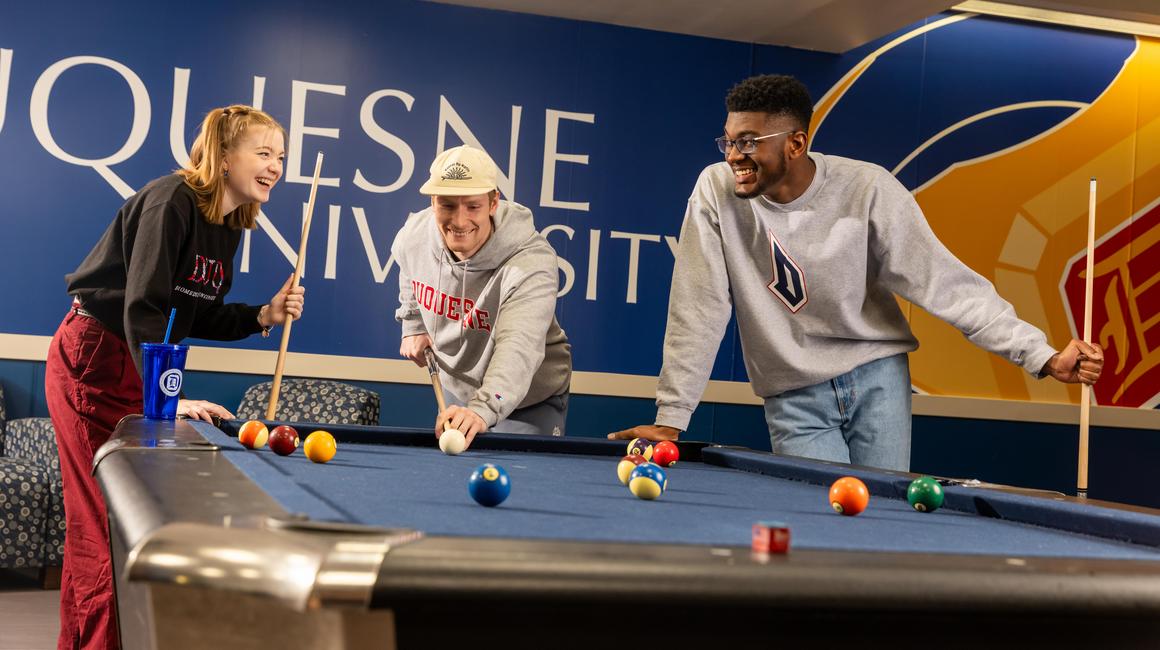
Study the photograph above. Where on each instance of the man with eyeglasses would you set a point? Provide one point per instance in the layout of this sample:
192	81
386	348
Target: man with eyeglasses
810	250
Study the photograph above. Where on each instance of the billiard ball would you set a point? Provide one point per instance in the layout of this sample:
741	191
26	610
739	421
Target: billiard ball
665	453
849	496
925	494
452	442
647	481
253	434
320	446
626	465
489	485
641	447
283	440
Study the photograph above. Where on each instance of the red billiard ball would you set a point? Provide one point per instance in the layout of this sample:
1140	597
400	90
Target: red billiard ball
253	434
283	440
665	453
849	496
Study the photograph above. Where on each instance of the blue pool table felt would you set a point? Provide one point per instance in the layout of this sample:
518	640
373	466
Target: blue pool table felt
579	498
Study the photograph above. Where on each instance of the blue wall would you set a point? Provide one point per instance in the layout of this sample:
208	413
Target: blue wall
381	87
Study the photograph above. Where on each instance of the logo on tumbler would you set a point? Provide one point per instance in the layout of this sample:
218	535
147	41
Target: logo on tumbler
170	382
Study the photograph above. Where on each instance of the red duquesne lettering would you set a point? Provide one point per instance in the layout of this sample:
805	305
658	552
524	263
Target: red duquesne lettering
455	308
207	271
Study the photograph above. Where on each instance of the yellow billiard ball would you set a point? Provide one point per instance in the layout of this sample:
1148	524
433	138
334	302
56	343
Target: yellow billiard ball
320	446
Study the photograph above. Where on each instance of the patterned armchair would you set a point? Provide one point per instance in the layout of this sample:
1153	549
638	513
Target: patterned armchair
31	502
312	400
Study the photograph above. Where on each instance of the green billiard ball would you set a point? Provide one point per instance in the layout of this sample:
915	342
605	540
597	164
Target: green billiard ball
925	494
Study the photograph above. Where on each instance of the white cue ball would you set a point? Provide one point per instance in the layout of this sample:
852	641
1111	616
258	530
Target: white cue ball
452	442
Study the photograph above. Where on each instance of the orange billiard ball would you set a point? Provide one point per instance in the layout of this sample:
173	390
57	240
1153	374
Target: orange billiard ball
849	496
253	434
320	446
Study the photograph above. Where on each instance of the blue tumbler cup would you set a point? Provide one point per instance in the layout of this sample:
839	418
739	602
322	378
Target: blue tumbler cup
164	367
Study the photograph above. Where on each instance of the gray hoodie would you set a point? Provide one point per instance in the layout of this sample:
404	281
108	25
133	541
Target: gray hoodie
813	284
491	317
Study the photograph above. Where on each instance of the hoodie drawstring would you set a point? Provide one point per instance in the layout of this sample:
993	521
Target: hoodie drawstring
463	293
438	292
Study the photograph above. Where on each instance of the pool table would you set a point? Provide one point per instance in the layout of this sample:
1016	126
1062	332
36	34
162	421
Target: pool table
217	546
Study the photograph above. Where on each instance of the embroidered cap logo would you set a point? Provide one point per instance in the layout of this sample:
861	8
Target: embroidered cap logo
457	172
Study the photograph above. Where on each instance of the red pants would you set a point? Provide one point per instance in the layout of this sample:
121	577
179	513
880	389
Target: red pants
90	383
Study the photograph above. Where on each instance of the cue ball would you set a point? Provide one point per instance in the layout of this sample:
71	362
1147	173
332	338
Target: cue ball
647	481
253	434
627	464
665	453
320	446
489	485
925	494
452	442
641	447
849	496
283	440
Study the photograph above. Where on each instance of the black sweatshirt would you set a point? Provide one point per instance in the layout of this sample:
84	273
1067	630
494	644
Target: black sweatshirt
159	253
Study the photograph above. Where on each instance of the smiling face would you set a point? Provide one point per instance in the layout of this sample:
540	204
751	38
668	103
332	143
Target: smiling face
763	171
254	165
465	221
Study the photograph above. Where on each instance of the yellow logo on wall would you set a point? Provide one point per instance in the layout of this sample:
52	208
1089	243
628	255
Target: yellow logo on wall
1019	218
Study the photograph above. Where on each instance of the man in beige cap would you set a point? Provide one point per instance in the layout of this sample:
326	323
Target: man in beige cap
477	285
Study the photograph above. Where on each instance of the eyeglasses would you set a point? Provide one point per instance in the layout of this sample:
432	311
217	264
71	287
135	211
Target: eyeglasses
746	145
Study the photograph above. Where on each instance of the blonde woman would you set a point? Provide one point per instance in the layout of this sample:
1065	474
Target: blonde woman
170	246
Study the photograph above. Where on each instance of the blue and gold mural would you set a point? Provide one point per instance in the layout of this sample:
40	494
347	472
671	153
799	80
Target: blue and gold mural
995	125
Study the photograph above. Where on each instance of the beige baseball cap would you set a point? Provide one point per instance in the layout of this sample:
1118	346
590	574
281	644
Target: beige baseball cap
461	171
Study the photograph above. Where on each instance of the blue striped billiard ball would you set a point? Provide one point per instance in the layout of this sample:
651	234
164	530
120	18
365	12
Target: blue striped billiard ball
489	485
647	481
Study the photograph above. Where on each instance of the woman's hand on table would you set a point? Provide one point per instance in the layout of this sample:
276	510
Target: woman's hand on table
199	409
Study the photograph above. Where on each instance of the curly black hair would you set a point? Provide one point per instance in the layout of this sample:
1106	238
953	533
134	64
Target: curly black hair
776	94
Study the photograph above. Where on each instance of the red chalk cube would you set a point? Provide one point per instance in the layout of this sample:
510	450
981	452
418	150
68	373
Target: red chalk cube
770	537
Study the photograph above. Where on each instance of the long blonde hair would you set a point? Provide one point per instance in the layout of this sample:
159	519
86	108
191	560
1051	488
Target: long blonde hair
220	131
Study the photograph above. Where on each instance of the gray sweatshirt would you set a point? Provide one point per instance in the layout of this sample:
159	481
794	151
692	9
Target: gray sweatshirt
491	317
813	283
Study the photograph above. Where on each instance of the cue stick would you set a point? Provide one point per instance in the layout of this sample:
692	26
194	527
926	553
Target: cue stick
276	386
1085	399
433	370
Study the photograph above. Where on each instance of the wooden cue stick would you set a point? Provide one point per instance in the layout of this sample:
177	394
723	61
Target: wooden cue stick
433	370
276	386
1085	399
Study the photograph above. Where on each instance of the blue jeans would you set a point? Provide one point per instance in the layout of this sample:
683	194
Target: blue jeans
861	417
